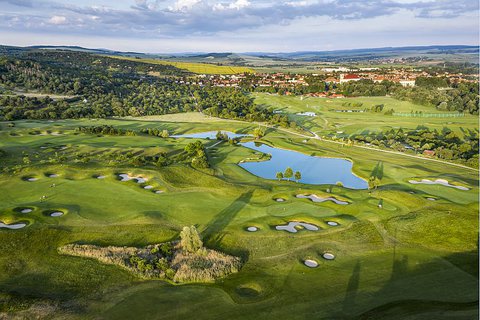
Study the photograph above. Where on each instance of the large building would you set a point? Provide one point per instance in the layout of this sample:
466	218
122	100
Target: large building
349	77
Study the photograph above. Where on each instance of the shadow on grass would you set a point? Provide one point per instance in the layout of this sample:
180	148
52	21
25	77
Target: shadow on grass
352	288
408	306
213	233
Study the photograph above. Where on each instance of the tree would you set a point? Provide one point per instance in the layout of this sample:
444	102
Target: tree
373	182
298	176
279	176
258	132
164	134
190	239
288	173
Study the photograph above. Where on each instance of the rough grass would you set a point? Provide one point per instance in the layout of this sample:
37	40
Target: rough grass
206	265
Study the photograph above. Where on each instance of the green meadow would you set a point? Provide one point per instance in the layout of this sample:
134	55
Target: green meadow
413	257
329	120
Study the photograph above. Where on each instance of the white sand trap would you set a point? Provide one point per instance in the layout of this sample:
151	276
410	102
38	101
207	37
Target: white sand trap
252	229
101	177
56	214
42	147
442	182
53	176
32	179
127	177
316	198
328	256
432	199
148	187
332	223
26	210
159	191
56	134
279	199
291	226
13	226
310	263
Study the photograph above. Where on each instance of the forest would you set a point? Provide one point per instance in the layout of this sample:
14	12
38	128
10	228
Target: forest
101	87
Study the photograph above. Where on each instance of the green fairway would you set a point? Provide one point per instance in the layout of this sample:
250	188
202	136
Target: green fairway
410	258
329	120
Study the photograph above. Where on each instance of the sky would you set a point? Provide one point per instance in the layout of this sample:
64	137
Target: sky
168	26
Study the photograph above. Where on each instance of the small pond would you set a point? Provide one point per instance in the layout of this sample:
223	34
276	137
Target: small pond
314	170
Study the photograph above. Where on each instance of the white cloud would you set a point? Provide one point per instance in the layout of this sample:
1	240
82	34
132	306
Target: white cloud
57	20
247	25
184	5
236	5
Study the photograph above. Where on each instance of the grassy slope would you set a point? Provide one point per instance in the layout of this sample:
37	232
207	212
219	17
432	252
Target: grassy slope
328	121
199	68
384	256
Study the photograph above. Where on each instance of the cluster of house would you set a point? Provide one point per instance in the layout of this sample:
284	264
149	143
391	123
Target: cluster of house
333	75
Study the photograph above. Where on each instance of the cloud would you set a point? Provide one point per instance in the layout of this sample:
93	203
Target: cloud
237	5
185	19
57	20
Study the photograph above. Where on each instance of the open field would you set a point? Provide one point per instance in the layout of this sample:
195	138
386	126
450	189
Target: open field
199	68
413	258
329	121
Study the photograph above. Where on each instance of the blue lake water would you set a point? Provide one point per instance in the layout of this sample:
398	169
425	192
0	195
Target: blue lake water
314	170
209	135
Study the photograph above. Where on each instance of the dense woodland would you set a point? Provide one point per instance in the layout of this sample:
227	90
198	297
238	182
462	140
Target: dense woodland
101	87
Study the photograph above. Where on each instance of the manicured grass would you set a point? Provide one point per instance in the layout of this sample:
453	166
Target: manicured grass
328	121
412	257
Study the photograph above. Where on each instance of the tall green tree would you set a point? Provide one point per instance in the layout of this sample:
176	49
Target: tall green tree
190	239
298	176
279	176
288	173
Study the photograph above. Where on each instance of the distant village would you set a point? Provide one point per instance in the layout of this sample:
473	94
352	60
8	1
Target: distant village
330	76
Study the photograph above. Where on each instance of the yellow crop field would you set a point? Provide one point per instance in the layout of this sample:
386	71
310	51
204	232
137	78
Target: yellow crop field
195	67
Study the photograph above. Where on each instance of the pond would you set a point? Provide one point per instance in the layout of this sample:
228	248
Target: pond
210	135
314	170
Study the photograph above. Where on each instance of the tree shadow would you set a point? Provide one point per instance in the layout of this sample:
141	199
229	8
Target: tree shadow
213	233
378	170
352	288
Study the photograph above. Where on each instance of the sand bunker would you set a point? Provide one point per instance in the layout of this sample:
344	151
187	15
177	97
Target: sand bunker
56	214
127	177
252	229
442	182
101	177
332	223
148	187
53	175
26	210
293	225
13	226
316	198
328	256
31	179
159	191
279	199
310	263
431	199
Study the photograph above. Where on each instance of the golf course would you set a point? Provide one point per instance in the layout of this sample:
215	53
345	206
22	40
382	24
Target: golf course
406	248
